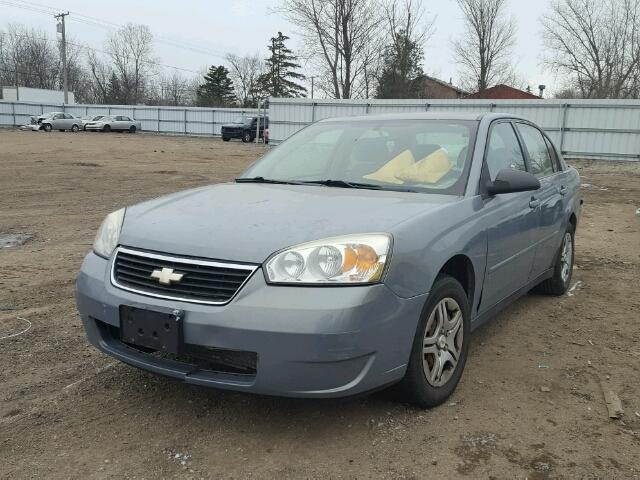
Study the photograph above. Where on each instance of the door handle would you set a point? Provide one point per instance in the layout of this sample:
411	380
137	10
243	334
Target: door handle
534	202
563	190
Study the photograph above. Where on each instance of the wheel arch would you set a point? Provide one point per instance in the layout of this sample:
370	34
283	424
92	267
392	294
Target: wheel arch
461	268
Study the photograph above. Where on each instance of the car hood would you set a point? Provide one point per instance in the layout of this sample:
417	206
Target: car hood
248	222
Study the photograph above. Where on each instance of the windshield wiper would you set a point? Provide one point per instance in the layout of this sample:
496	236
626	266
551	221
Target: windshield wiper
343	184
267	180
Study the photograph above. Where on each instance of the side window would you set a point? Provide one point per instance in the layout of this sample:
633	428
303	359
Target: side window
554	155
504	150
68	116
539	157
59	116
126	119
118	118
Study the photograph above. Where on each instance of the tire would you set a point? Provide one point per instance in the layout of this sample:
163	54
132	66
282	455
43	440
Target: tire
47	127
427	354
132	129
247	137
75	128
225	139
84	128
106	128
559	283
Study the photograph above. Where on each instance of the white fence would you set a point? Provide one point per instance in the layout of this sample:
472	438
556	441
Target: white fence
598	129
179	120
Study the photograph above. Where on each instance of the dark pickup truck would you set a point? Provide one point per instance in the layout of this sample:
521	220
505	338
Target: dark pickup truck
244	128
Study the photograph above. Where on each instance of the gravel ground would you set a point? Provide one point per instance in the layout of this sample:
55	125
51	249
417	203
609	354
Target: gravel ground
530	403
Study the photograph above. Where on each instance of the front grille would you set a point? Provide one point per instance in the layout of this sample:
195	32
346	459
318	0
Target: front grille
203	281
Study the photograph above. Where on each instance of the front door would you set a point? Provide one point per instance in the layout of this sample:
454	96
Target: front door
511	221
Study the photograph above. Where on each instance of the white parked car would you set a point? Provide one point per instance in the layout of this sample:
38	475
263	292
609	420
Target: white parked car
90	118
116	123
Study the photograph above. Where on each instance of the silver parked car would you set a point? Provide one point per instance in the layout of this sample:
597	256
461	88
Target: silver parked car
359	253
114	123
58	121
90	118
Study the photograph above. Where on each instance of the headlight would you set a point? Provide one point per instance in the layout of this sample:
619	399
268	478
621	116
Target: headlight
108	234
351	259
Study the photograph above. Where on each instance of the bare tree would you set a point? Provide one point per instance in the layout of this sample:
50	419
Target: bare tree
597	44
100	74
174	89
338	35
486	47
244	72
131	51
28	58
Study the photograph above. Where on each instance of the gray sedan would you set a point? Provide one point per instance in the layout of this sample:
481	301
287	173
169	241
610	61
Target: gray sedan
115	123
359	253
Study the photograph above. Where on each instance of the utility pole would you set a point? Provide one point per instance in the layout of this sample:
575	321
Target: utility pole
61	29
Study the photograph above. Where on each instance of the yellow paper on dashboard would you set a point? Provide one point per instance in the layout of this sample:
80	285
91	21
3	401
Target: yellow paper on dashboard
430	169
387	173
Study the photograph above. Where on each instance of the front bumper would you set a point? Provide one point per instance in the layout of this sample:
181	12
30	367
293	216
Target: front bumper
310	342
93	127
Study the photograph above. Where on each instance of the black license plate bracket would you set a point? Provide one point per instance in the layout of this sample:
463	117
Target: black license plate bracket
158	330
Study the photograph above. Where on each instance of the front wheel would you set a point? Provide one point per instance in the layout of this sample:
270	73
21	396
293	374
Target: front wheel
132	129
440	346
47	127
75	128
559	283
106	128
247	137
225	139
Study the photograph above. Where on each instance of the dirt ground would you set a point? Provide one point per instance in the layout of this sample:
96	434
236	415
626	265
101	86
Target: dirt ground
530	403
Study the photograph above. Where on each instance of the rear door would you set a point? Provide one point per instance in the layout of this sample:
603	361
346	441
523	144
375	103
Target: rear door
511	221
549	197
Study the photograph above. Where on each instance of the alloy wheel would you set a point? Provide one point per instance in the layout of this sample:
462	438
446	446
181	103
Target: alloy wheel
442	344
566	257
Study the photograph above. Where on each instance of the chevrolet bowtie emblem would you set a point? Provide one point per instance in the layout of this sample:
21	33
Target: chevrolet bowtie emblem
166	276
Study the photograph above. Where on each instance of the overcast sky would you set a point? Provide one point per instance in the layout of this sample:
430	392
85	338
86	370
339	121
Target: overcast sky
245	26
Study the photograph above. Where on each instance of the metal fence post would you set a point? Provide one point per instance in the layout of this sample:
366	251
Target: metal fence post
426	106
185	121
13	112
313	112
563	125
158	127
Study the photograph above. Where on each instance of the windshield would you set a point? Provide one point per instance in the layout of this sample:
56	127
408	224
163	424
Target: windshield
243	120
412	155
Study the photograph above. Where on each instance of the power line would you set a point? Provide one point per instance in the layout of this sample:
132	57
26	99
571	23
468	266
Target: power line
92	21
94	49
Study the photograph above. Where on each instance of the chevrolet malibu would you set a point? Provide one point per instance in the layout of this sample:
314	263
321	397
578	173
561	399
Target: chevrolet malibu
360	253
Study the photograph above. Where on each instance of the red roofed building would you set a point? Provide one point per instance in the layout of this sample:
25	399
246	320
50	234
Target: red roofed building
503	92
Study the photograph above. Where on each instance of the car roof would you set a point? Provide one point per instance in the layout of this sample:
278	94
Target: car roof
468	116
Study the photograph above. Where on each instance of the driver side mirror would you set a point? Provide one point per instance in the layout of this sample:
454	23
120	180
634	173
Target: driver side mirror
512	181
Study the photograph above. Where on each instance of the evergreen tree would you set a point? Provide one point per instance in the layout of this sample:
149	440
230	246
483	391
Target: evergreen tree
279	80
402	74
217	89
114	90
